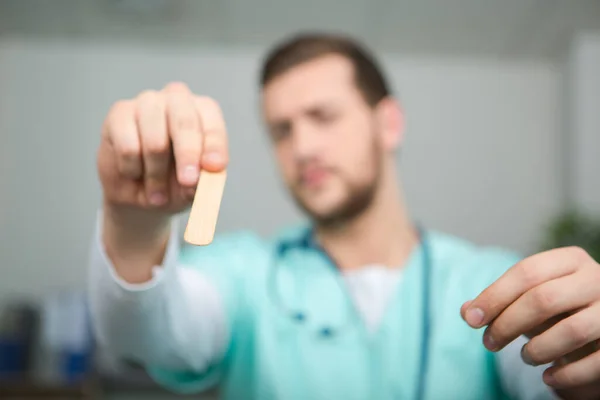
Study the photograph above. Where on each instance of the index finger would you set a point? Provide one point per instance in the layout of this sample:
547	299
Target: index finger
215	155
520	278
185	132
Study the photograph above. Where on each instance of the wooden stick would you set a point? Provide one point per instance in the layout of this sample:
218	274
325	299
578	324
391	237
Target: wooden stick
202	222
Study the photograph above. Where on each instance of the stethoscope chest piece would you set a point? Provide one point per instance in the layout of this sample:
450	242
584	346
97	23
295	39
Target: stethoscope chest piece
299	316
324	332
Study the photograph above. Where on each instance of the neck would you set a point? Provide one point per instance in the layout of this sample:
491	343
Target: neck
383	234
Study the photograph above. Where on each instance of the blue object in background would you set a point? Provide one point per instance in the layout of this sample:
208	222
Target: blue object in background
13	357
76	365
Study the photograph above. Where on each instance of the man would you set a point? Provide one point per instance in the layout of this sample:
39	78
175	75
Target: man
356	304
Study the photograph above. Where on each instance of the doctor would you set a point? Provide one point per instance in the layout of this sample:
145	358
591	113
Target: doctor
359	302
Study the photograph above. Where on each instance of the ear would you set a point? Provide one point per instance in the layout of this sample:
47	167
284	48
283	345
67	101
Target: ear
390	119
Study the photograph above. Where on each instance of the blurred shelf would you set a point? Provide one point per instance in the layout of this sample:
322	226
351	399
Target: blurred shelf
25	389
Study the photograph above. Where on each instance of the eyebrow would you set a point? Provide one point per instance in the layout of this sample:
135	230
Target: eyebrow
315	109
280	124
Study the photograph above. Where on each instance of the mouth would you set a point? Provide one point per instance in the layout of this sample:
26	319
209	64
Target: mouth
313	177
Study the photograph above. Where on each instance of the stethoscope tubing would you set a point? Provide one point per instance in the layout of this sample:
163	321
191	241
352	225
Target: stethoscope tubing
328	331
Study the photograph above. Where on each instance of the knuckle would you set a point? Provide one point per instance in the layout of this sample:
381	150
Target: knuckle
120	110
156	176
148	95
128	153
579	331
176	86
594	276
210	111
544	299
155	182
120	105
566	377
530	274
208	102
215	142
216	139
157	148
578	253
184	123
117	111
130	171
150	99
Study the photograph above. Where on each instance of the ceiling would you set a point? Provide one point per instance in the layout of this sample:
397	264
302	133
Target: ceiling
532	29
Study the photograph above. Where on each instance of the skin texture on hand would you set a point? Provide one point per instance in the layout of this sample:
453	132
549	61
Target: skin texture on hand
152	150
553	298
134	243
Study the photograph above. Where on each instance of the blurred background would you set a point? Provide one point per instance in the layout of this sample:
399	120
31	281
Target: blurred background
502	99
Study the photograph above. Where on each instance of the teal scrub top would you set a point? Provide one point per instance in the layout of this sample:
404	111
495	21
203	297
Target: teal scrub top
271	355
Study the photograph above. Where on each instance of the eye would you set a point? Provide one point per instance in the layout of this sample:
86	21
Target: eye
280	132
325	116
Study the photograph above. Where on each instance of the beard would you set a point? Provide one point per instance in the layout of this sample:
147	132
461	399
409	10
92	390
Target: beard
358	199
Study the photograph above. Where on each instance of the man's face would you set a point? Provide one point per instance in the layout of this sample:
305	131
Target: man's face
327	138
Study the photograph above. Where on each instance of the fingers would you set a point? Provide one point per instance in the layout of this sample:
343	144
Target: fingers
539	305
520	278
155	144
185	131
215	153
564	338
582	372
123	135
158	141
538	330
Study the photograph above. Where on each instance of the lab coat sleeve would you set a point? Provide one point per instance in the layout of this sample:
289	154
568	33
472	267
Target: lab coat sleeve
519	380
176	321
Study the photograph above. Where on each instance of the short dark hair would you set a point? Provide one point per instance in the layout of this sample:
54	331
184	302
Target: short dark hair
305	47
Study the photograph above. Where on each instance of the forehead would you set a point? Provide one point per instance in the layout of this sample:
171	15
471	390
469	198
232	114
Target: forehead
328	78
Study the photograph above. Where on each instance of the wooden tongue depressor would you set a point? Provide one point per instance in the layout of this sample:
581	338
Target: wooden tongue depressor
200	229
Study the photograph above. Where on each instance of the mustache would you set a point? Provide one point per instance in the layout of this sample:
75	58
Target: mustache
303	169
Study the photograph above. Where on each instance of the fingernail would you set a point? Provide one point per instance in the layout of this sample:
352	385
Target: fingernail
489	342
158	199
464	308
549	379
213	158
526	357
190	174
474	316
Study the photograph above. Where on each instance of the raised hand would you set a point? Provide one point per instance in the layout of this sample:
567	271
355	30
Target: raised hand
153	147
554	299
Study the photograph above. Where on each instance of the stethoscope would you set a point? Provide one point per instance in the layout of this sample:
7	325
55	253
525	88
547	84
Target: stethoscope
307	241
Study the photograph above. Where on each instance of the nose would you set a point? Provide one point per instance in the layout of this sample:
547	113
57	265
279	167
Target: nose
307	143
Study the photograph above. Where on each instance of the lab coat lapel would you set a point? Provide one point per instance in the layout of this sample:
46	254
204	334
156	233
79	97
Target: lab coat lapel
401	333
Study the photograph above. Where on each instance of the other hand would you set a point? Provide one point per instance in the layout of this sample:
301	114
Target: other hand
554	299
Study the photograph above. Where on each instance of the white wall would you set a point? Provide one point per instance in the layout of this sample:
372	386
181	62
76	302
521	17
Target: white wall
481	158
583	84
